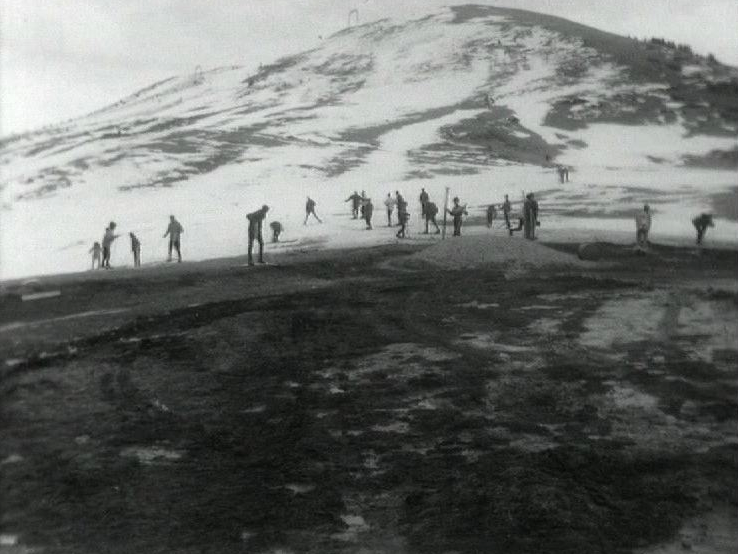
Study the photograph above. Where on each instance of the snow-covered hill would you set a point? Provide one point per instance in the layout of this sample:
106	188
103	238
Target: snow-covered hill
482	100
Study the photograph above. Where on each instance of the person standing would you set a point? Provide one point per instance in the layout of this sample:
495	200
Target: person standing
701	223
107	241
403	217
310	210
491	215
390	203
362	203
174	231
401	208
96	252
256	219
355	200
457	212
424	198
506	209
431	210
643	226
530	216
368	212
136	249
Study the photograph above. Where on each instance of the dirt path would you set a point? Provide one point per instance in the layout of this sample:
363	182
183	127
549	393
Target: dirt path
337	405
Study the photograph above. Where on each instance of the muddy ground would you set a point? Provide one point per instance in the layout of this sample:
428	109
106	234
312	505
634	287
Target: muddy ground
348	402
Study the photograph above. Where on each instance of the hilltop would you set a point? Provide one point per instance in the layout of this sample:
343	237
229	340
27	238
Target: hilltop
463	98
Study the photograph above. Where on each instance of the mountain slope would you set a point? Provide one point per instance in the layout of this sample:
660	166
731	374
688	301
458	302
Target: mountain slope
461	98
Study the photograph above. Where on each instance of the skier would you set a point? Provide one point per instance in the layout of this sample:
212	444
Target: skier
355	200
136	249
457	212
174	231
310	209
255	223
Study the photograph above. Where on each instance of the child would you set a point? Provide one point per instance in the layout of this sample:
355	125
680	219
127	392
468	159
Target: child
96	252
277	229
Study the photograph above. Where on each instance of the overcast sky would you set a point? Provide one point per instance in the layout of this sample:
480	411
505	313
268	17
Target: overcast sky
63	58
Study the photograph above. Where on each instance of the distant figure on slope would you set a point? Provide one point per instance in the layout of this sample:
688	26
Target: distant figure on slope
174	231
401	207
363	201
277	229
107	241
390	203
457	212
701	223
403	217
491	215
643	226
355	200
506	209
136	250
256	219
431	210
563	173
368	209
310	210
423	201
96	252
530	217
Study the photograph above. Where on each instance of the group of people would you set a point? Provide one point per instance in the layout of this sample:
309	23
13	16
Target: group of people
643	226
527	222
101	252
362	205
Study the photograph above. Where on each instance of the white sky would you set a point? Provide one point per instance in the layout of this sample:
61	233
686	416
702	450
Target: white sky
64	58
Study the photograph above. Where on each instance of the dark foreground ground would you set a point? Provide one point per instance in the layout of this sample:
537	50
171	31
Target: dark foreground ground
348	402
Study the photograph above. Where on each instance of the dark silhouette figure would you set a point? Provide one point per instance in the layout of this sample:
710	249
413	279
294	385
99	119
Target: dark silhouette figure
174	231
424	198
355	200
256	219
310	210
277	229
701	223
431	210
107	241
368	209
506	209
136	250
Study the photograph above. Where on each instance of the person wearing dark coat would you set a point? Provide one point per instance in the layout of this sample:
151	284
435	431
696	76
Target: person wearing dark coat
701	223
355	200
256	219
